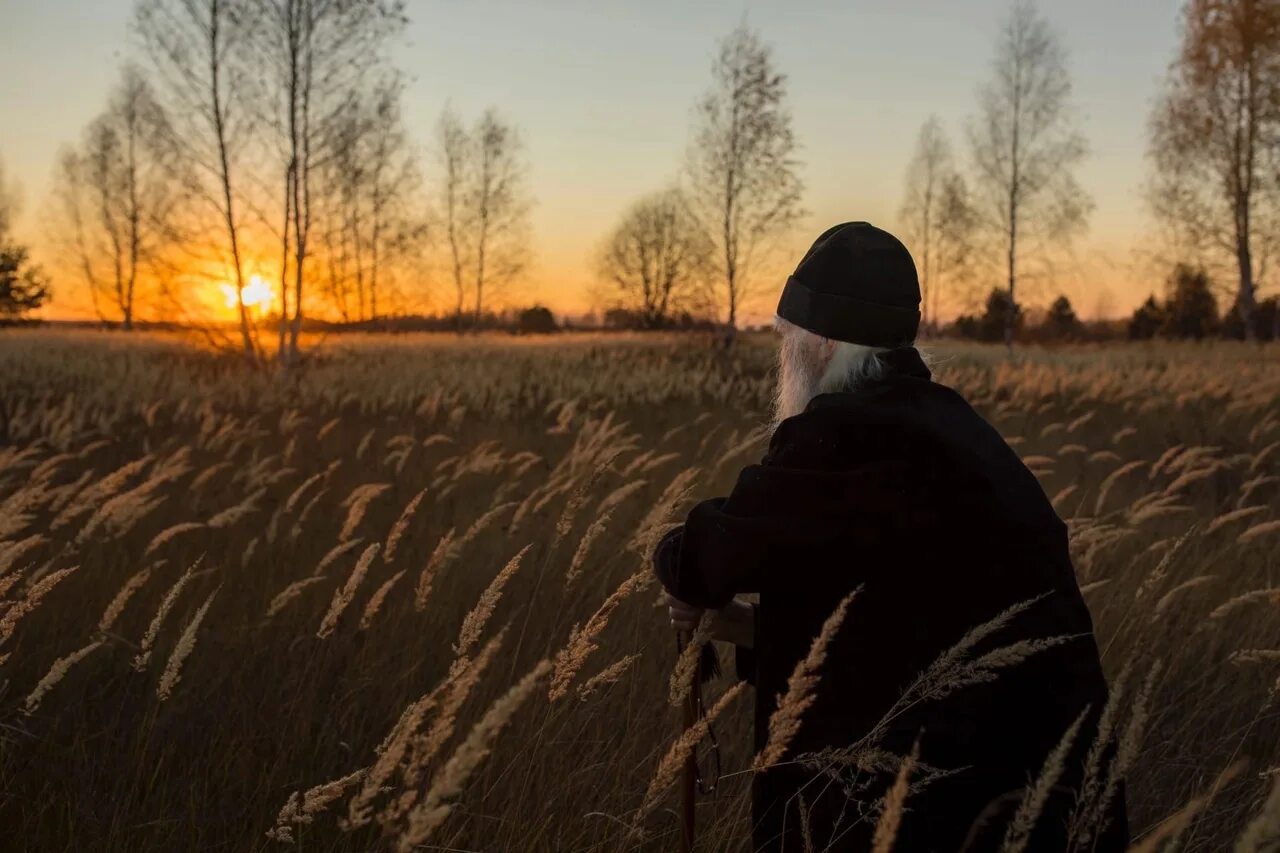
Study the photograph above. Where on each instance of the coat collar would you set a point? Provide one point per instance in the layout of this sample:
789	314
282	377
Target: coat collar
905	361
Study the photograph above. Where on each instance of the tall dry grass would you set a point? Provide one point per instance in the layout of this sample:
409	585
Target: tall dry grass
376	671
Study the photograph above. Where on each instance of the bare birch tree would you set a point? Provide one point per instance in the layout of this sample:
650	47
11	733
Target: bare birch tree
120	197
658	259
1215	142
1025	148
321	54
374	221
485	207
742	162
198	49
937	218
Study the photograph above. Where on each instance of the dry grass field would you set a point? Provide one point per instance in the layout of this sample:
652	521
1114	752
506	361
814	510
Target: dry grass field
402	599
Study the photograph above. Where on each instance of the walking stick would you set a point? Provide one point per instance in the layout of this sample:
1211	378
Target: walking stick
689	773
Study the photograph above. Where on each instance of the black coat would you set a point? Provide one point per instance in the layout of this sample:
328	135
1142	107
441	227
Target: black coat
900	488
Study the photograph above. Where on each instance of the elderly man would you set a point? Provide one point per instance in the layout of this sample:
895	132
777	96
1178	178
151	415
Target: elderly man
880	480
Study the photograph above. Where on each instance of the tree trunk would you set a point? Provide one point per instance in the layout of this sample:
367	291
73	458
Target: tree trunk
224	163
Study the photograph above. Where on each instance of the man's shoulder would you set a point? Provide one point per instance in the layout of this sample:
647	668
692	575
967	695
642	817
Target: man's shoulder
907	411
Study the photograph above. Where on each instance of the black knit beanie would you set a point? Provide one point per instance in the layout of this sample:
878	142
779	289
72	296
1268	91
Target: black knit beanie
856	284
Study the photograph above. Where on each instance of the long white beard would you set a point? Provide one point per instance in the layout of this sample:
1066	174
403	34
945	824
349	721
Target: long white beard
800	373
804	373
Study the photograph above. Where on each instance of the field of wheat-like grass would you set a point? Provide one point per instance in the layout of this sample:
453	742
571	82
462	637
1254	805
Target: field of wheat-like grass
400	599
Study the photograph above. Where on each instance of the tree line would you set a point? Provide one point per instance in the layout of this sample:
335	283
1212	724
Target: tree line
264	140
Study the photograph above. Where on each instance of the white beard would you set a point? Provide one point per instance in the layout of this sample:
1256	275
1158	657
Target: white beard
800	372
805	371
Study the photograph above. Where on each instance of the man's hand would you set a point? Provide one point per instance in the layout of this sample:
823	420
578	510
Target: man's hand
684	617
735	623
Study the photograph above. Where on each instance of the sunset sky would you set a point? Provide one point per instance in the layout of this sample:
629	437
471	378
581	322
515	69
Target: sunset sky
603	90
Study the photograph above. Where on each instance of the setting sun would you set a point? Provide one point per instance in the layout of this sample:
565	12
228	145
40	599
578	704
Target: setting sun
256	293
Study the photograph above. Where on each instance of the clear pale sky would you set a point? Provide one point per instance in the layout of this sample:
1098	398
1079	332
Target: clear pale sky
603	92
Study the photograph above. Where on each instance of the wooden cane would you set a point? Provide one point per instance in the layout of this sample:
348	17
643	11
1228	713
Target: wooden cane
689	773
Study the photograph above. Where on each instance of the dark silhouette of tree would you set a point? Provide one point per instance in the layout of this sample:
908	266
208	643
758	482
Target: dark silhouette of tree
1191	311
121	194
742	165
658	260
205	79
1025	147
321	55
1213	140
1061	323
938	218
485	206
1264	318
1146	321
371	186
992	324
23	286
537	320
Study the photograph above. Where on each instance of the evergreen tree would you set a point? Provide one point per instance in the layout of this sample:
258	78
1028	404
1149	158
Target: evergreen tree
1192	309
1146	320
23	286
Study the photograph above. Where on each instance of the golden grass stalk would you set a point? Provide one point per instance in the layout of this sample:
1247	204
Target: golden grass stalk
1223	519
12	552
619	495
669	767
283	598
205	477
687	663
444	550
186	644
1246	656
589	537
482	523
55	674
1111	479
784	722
121	599
342	597
654	524
1163	604
302	809
377	599
401	526
1063	494
334	554
169	534
1260	458
606	677
448	784
473	624
391	754
295	497
1036	795
300	525
357	504
464	676
1242	600
1258	530
19	609
895	805
1164	460
8	582
582	640
166	604
233	515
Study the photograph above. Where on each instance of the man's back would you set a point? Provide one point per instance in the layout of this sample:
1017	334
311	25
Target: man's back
900	491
